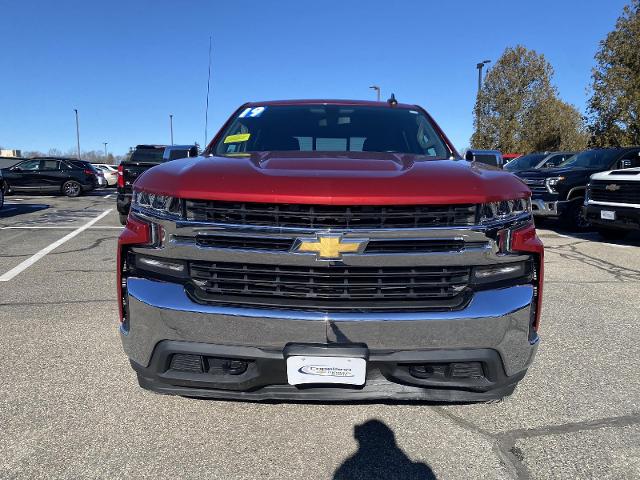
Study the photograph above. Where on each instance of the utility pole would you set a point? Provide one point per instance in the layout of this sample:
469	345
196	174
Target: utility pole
377	89
206	110
77	131
105	151
480	66
171	127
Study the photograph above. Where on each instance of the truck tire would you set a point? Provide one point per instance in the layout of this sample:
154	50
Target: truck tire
123	218
1	196
612	233
572	217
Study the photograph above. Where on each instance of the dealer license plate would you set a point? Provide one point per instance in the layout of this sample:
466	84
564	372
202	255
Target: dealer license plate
308	369
607	214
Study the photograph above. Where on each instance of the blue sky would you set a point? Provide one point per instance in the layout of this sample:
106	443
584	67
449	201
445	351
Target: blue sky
127	65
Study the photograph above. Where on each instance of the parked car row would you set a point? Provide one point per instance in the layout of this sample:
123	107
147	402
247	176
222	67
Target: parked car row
563	183
68	176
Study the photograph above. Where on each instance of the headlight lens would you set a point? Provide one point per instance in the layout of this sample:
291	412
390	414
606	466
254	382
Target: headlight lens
505	210
552	182
159	204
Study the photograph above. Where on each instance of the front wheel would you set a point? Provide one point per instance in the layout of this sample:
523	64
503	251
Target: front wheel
71	188
573	217
612	234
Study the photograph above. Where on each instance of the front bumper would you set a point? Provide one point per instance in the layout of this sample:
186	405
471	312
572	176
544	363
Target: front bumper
494	330
627	218
548	208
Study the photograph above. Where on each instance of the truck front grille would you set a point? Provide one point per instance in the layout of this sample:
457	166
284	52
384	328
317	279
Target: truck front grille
330	216
615	191
536	185
330	286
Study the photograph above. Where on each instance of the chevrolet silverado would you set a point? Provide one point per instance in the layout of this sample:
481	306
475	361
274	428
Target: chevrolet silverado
330	250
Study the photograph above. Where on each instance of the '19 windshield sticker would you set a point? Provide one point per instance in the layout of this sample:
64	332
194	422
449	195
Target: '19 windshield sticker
252	112
240	137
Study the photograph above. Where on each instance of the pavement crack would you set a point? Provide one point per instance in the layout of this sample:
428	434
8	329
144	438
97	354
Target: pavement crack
94	244
620	421
504	443
510	458
570	252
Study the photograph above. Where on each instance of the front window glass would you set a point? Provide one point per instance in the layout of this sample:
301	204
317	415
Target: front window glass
175	154
591	159
331	128
556	160
525	162
28	165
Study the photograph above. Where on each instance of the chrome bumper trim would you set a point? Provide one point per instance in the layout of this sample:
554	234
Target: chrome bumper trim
171	296
497	319
544	209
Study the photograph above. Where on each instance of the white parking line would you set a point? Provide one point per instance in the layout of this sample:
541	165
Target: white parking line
39	227
37	256
108	196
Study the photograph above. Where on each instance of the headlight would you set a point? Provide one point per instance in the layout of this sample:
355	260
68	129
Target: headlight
551	183
159	204
504	211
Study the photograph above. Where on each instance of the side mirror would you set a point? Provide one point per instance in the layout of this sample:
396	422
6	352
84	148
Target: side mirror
625	163
488	157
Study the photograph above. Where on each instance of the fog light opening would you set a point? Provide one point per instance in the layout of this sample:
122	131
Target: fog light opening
226	366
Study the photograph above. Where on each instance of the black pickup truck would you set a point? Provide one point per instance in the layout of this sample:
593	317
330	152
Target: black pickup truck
143	158
559	192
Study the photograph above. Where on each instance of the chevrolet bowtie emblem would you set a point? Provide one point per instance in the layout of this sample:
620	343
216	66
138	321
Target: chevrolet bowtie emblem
612	187
329	247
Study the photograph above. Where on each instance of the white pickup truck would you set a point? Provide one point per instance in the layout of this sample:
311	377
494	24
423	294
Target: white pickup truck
612	202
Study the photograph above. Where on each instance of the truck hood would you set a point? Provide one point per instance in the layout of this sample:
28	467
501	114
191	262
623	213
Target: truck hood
332	178
554	172
632	174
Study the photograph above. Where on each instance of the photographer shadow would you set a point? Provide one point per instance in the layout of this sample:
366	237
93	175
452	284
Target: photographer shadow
379	457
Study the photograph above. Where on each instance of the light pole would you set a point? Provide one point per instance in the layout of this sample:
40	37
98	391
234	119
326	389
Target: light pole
77	131
171	127
480	66
105	151
377	89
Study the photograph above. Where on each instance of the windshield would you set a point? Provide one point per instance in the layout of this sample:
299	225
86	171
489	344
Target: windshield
331	128
525	162
591	159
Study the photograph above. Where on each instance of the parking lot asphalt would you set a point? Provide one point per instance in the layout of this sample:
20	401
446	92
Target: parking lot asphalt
70	406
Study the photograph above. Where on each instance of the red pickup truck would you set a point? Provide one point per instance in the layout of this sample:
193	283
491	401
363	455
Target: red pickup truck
330	250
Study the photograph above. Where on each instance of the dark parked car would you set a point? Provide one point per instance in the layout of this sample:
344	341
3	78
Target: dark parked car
142	159
535	161
559	192
1	190
56	175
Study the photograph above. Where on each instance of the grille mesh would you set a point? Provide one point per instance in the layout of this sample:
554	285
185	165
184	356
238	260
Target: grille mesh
629	192
330	216
337	284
